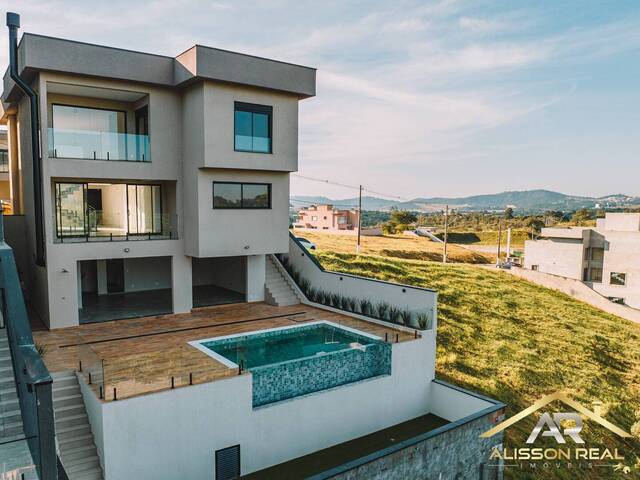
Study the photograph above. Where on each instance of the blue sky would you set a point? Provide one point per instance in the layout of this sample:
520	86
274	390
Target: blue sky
439	98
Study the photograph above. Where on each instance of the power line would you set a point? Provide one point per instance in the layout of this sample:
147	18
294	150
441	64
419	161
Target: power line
353	187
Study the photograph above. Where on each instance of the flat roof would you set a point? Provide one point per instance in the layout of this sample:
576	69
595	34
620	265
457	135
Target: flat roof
44	53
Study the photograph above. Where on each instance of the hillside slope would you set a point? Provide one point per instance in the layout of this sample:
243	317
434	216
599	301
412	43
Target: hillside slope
516	341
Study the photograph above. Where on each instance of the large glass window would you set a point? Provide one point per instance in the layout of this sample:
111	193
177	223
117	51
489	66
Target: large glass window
4	161
144	207
70	209
252	126
108	210
241	195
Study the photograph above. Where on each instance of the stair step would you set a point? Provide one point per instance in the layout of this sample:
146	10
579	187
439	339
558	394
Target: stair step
62	375
69	433
95	474
64	382
10	415
75	442
10	429
82	467
71	420
72	454
67	401
79	464
65	391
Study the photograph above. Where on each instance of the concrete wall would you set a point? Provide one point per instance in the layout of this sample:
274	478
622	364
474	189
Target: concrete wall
556	256
458	453
174	434
227	272
416	300
15	234
623	222
237	231
256	273
219	124
621	255
147	273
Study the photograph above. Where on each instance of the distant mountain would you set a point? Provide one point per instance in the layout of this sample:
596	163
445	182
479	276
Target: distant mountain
528	201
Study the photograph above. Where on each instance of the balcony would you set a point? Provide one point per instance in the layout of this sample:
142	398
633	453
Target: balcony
99	212
92	123
98	145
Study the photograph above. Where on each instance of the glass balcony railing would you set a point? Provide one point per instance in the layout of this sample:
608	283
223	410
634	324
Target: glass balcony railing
95	145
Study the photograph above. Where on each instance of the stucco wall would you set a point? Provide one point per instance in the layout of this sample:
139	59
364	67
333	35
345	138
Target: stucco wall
174	434
562	257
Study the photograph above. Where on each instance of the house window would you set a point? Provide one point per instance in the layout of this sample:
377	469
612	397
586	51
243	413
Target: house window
342	220
107	209
534	268
596	275
4	161
314	218
619	300
252	127
241	195
617	278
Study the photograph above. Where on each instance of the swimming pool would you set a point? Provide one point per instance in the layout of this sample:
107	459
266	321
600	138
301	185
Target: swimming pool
291	361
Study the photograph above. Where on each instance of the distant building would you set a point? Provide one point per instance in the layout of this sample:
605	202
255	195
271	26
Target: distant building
325	217
605	257
5	180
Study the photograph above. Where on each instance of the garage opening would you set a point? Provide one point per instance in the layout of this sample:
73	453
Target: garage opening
118	288
218	281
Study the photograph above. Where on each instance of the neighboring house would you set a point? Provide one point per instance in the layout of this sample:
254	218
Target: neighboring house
605	257
325	217
166	186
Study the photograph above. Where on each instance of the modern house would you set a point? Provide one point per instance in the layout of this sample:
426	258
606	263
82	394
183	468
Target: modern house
162	193
605	257
325	217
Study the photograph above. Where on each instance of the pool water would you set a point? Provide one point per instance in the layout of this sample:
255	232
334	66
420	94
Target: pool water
290	344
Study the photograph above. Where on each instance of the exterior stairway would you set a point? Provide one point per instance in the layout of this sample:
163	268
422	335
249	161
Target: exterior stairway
277	289
10	416
78	452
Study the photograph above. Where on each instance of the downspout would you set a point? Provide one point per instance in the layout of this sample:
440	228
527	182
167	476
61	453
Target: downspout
13	22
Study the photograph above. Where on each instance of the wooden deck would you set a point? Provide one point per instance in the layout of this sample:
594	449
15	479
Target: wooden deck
138	356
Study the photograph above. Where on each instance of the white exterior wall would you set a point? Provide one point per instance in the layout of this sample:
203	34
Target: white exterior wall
558	256
174	434
621	255
454	404
256	274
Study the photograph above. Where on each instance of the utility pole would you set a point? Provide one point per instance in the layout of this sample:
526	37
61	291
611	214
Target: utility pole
508	242
499	242
359	219
446	232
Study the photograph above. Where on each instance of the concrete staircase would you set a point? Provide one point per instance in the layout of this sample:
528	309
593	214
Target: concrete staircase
278	291
10	416
78	452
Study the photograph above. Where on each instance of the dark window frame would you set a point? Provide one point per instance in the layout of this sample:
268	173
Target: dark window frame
241	207
253	108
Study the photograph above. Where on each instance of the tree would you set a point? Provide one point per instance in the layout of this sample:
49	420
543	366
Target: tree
403	216
508	213
581	216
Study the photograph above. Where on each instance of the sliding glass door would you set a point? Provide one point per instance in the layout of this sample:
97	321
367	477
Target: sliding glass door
71	219
144	209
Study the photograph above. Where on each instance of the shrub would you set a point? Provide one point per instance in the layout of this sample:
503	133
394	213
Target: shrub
334	298
424	321
312	294
352	304
406	317
381	309
344	303
394	314
365	307
305	285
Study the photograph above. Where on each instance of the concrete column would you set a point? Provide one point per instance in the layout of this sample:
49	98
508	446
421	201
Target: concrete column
102	276
255	278
181	284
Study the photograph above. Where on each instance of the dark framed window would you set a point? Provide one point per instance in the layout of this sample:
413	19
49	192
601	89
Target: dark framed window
252	128
4	161
241	195
617	278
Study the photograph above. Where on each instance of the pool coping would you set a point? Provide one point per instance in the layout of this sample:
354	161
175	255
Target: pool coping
198	344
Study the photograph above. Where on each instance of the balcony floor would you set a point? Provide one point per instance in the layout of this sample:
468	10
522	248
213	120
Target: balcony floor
153	349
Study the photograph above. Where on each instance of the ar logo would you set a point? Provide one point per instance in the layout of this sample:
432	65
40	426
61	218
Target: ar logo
554	426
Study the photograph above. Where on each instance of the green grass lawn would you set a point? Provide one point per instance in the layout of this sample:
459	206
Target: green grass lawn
516	342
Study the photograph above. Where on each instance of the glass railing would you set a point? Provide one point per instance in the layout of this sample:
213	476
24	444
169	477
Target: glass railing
126	376
96	145
95	227
15	461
